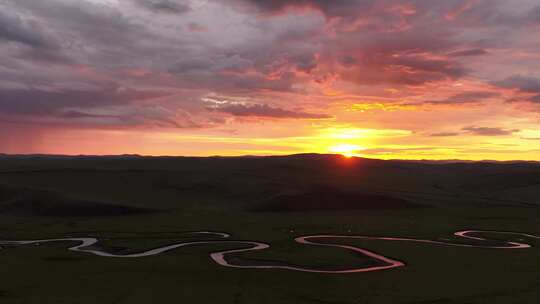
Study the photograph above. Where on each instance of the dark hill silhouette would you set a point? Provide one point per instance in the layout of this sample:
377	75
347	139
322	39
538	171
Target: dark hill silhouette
31	202
330	199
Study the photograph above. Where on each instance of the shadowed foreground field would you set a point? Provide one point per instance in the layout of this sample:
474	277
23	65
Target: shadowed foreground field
133	204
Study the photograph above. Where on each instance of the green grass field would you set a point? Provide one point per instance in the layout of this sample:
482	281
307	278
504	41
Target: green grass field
134	203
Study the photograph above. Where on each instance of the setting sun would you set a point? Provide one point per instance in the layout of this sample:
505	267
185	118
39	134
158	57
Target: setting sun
346	150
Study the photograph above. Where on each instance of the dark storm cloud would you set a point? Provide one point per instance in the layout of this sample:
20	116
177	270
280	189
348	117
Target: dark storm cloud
471	97
276	5
16	29
535	98
521	83
128	115
534	15
406	70
164	6
525	99
79	114
331	7
471	52
328	7
263	110
47	102
443	67
487	11
487	131
464	98
401	57
84	28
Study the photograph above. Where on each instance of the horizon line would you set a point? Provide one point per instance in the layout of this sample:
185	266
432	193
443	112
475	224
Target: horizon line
136	155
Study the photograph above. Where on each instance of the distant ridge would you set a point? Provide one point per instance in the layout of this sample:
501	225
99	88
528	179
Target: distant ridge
298	155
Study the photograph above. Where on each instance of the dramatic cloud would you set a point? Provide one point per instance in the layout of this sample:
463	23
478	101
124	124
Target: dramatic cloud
43	102
15	29
129	115
534	15
464	98
262	110
330	8
535	99
521	83
300	65
471	52
164	6
444	134
486	131
474	130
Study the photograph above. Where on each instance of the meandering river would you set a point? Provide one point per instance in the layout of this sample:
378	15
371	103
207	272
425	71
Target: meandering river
88	245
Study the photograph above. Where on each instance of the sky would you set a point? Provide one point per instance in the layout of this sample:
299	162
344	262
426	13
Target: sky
418	79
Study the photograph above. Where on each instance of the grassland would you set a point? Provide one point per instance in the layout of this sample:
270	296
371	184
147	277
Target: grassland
135	203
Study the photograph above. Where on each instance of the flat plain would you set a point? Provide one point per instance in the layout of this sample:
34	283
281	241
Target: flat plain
133	204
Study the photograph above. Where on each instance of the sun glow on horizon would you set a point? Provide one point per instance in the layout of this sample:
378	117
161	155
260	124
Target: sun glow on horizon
357	133
351	142
346	150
